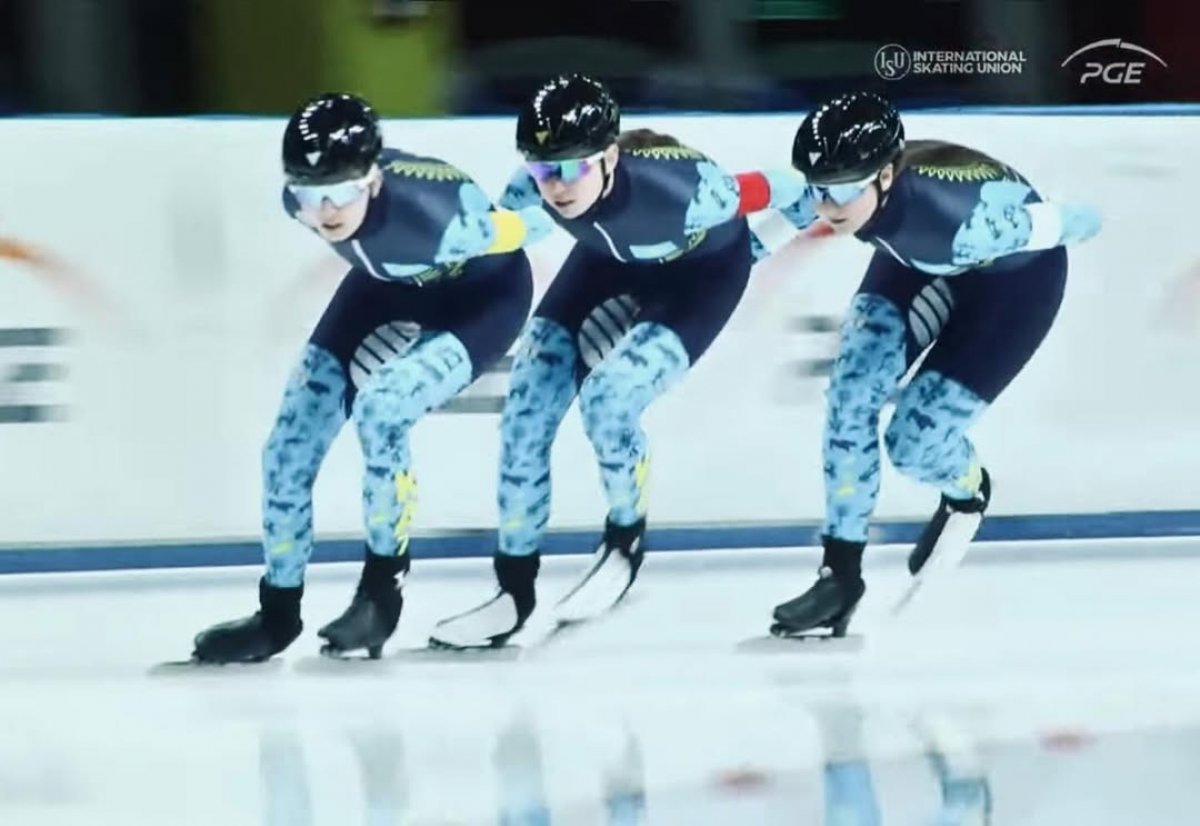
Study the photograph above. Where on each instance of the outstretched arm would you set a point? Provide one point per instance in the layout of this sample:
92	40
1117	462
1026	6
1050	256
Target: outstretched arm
721	197
776	229
1053	225
769	189
512	230
1002	223
481	229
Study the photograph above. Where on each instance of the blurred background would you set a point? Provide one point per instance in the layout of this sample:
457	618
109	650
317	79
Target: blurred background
439	57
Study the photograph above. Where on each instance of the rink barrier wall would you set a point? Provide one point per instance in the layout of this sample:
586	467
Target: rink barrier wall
131	437
671	539
1081	110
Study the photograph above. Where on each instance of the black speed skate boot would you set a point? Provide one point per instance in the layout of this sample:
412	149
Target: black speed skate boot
614	568
271	629
831	602
491	624
374	612
952	528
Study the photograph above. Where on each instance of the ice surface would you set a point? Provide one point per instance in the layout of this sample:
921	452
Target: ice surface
1052	683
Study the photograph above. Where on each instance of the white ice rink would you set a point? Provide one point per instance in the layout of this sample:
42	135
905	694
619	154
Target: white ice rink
1052	683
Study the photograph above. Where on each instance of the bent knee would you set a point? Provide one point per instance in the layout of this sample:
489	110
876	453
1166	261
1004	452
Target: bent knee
605	395
907	438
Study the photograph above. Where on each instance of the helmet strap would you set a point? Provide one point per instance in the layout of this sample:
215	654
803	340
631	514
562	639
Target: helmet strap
606	176
881	194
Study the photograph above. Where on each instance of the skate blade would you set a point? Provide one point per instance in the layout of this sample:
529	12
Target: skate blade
359	663
371	654
594	597
320	665
436	650
809	642
947	554
341	664
565	625
542	639
440	652
333	659
546	637
194	666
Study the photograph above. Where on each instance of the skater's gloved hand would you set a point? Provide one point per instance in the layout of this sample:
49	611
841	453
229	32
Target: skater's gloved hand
787	186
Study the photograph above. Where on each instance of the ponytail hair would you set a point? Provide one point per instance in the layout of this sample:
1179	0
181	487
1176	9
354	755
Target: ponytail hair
644	139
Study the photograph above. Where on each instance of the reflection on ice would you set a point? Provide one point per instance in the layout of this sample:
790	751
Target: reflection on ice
971	714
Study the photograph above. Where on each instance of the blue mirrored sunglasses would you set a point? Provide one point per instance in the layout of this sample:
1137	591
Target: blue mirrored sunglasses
568	171
340	194
843	194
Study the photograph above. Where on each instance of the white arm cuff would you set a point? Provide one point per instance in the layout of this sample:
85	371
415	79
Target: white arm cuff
774	231
1046	226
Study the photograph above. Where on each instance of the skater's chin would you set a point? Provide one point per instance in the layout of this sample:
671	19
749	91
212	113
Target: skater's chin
335	232
568	209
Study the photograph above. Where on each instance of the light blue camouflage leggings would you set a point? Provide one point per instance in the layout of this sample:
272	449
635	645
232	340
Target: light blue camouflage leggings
392	399
926	438
643	365
977	329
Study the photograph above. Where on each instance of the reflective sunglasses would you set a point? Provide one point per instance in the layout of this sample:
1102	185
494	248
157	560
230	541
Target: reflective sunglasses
844	193
340	194
568	171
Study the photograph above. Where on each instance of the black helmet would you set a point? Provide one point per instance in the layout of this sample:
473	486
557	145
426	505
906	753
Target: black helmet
570	116
333	137
848	138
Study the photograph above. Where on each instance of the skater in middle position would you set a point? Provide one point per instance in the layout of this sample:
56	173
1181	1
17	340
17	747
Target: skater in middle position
969	271
663	255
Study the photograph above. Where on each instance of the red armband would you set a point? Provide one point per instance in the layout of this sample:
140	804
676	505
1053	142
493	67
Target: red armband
754	192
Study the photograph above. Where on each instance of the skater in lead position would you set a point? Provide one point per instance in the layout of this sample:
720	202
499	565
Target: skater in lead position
969	270
663	255
438	289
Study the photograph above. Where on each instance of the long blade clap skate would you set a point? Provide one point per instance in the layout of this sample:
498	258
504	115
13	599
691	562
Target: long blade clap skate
825	609
945	540
365	626
493	623
614	567
255	638
373	613
831	602
489	625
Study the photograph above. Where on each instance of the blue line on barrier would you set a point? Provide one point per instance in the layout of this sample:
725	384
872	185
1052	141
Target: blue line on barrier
1140	524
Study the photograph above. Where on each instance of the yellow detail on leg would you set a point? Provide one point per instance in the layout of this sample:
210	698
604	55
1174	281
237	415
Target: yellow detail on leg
972	479
847	487
641	473
406	497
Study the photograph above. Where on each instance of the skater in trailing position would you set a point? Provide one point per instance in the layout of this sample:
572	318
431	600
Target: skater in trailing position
969	271
438	289
663	255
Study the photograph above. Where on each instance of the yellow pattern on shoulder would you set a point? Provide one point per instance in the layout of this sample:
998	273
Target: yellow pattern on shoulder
967	171
426	170
668	153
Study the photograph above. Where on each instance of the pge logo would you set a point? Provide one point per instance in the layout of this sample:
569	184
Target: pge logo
893	61
1114	72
